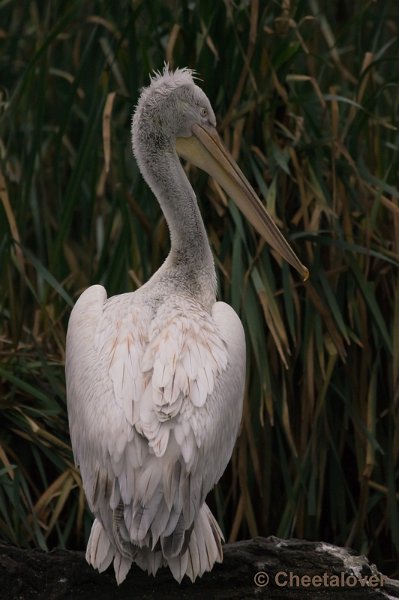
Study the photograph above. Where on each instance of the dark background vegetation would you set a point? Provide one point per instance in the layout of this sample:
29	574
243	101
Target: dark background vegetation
306	95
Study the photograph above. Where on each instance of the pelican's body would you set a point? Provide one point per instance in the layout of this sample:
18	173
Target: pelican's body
155	378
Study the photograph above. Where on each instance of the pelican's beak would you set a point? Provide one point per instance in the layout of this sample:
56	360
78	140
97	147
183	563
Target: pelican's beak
205	150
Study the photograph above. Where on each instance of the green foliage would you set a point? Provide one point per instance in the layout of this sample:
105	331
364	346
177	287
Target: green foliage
306	99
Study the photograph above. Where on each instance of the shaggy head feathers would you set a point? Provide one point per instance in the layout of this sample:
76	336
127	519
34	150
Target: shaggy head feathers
169	80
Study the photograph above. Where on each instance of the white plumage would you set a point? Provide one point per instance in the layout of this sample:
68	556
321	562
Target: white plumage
155	378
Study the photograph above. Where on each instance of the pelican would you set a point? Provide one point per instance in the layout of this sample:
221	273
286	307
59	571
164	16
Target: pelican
155	378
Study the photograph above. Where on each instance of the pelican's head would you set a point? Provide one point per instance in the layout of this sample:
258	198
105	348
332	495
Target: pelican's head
174	113
169	107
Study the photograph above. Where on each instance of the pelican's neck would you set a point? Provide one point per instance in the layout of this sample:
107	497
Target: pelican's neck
190	262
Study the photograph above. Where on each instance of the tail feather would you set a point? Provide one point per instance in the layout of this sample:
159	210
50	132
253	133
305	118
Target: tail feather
204	548
121	567
178	566
99	552
194	561
149	560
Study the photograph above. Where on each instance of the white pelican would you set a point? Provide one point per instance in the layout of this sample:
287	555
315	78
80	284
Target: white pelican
155	378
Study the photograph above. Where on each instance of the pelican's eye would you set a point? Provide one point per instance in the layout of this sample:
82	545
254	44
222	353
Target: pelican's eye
203	111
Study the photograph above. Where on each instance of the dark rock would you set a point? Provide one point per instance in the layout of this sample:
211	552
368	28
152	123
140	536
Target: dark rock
335	573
